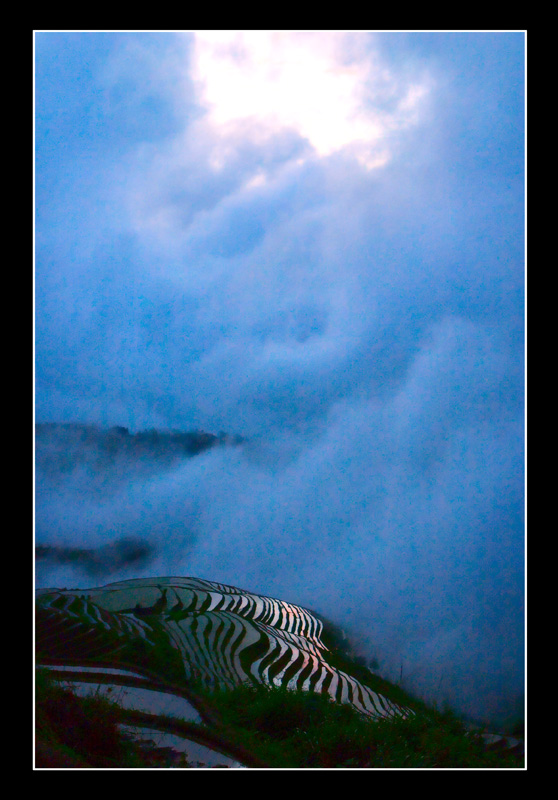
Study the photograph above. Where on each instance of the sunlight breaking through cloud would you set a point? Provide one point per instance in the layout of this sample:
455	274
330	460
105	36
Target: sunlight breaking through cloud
256	83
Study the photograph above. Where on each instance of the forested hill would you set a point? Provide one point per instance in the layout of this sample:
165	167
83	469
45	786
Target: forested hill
64	447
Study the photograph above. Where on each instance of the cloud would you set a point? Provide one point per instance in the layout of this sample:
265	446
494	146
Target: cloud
326	86
267	103
339	281
115	557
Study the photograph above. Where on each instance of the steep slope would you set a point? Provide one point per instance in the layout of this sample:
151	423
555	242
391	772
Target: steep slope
247	678
191	631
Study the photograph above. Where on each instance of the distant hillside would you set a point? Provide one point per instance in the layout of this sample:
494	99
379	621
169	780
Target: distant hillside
98	561
64	448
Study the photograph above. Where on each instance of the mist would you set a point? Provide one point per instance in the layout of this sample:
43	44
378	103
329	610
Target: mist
349	308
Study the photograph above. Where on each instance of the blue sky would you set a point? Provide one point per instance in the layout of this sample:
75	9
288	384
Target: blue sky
314	240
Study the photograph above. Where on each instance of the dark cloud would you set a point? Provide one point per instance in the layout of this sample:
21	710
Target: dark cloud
102	561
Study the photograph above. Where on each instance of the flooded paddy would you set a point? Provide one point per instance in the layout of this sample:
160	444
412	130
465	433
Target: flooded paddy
135	698
97	670
198	755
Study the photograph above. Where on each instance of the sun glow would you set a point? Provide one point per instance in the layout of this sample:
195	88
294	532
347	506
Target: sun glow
323	85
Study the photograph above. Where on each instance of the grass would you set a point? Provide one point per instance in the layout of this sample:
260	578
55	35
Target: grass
342	657
279	728
261	726
83	732
295	729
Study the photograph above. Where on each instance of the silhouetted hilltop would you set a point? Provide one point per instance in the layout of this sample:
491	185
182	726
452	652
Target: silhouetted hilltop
61	448
104	560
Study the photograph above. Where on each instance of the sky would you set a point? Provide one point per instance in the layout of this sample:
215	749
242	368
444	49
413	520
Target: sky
313	240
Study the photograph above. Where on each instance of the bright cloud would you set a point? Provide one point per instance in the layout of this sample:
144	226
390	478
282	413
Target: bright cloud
327	86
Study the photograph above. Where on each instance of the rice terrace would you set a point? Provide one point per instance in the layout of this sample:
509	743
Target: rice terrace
250	681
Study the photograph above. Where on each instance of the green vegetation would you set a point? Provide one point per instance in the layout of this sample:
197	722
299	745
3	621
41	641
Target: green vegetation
162	659
83	732
279	728
342	657
261	726
295	729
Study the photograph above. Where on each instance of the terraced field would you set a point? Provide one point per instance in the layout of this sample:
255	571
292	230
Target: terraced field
189	631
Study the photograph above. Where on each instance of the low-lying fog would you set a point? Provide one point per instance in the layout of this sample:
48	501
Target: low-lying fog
422	568
313	241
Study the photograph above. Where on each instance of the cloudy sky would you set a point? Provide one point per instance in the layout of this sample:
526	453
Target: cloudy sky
314	240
